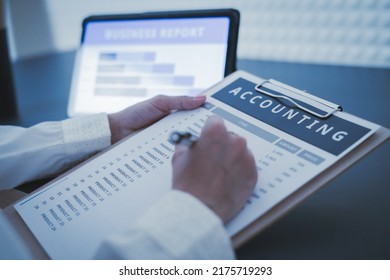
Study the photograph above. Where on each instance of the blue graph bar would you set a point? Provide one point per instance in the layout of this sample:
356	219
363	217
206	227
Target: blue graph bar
166	68
168	80
118	80
128	56
121	91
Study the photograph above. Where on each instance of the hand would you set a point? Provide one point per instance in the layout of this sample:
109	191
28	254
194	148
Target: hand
219	169
148	112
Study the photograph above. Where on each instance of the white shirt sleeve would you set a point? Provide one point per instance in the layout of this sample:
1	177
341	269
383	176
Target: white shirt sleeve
49	148
179	226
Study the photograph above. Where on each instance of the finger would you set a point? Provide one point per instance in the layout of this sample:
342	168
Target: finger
238	142
180	150
214	126
252	162
147	112
167	104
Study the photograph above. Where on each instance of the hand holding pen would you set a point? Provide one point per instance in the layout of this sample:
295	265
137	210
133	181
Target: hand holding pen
217	168
183	138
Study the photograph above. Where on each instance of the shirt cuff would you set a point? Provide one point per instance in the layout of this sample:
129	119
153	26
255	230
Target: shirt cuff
179	226
85	136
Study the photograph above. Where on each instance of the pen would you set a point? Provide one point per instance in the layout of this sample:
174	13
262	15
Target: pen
183	138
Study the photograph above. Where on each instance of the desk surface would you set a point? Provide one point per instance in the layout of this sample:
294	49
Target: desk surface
347	219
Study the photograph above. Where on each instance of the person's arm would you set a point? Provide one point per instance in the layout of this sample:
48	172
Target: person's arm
211	182
49	148
179	226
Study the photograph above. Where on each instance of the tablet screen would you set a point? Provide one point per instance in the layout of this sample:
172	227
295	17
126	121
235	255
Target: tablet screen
122	62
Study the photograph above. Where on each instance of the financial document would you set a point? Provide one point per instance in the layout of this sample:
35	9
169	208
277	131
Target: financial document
73	215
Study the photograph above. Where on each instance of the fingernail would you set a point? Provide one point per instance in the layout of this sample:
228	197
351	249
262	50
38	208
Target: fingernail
215	118
199	98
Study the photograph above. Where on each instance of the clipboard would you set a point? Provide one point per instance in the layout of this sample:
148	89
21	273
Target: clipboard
262	222
311	104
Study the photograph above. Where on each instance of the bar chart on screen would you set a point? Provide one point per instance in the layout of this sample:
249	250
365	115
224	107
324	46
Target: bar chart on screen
138	74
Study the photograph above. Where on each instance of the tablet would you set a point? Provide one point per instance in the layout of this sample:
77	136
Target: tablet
125	59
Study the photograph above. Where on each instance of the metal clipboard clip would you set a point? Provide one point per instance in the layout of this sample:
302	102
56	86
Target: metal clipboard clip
296	97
